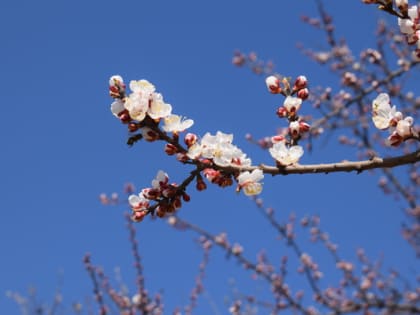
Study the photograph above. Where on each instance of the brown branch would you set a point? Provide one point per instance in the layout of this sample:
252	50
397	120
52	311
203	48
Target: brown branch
363	93
345	166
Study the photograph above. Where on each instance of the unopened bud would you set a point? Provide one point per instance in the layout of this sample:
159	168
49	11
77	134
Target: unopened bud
200	185
138	216
278	138
176	204
300	83
116	80
182	157
294	129
170	149
132	127
190	139
124	116
395	139
303	126
116	86
186	197
149	134
281	112
273	84
303	94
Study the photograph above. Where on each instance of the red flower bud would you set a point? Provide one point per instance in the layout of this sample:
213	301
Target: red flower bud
281	112
190	139
300	83
303	94
170	149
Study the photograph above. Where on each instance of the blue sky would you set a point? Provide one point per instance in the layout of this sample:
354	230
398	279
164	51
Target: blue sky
61	147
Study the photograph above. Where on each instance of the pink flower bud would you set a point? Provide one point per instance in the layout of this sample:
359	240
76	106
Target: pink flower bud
132	127
124	116
176	203
273	84
278	138
200	185
224	181
116	86
169	191
186	197
281	112
237	249
138	216
300	83
116	80
303	94
170	149
306	260
303	126
404	127
395	139
238	60
294	129
182	157
150	193
149	134
161	210
190	139
211	174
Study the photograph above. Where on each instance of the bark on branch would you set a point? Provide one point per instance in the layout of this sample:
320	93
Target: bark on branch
345	166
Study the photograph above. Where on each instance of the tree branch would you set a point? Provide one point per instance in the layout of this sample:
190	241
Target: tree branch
345	166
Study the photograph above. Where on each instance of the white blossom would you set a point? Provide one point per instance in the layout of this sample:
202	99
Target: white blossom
137	103
249	182
286	156
382	112
158	108
175	123
220	149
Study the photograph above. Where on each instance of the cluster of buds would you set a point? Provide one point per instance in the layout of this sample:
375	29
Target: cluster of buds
285	149
144	108
167	198
385	116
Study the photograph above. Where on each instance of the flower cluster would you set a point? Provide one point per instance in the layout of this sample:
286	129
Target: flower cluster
215	156
410	25
220	150
142	107
385	116
285	149
167	197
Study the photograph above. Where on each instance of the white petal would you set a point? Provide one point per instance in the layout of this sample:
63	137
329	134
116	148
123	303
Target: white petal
252	189
117	107
381	122
295	153
134	200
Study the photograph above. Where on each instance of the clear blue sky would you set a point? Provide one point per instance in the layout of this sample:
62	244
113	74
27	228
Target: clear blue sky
61	147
